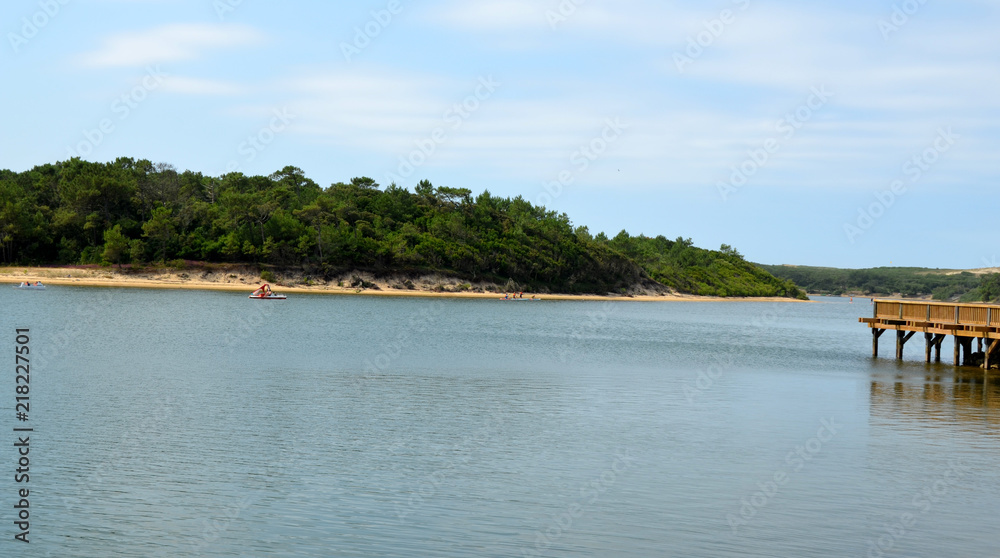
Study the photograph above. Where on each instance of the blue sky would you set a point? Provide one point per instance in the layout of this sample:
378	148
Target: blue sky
850	134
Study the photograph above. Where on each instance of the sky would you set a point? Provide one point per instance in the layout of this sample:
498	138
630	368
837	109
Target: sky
846	134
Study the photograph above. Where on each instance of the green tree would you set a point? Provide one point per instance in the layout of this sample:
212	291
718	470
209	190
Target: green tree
116	246
364	182
989	286
317	215
159	229
137	250
454	195
425	189
304	189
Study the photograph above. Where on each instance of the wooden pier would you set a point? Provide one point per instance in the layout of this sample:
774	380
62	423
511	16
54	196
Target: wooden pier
936	320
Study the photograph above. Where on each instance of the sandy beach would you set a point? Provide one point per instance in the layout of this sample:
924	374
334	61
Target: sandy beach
232	279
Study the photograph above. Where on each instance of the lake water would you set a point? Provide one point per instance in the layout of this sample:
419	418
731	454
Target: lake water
184	423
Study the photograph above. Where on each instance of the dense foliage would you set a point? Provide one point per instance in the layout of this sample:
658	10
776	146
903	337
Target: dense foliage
881	281
705	272
132	211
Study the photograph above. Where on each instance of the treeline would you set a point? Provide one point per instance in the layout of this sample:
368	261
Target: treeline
886	281
689	269
135	212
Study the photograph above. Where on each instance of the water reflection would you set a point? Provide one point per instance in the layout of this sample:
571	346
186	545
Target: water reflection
937	392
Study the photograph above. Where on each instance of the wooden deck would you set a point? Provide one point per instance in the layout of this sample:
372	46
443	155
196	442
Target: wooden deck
936	320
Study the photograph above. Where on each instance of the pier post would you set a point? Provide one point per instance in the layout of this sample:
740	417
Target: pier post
990	347
876	333
929	343
966	351
957	350
901	338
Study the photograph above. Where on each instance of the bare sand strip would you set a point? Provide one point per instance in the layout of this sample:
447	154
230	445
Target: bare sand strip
85	277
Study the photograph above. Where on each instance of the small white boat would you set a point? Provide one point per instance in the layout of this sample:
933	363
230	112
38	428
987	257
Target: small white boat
271	296
265	293
36	286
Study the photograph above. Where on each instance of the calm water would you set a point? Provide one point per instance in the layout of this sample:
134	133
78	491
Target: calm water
204	424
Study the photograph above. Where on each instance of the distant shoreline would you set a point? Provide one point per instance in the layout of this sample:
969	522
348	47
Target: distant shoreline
897	296
246	283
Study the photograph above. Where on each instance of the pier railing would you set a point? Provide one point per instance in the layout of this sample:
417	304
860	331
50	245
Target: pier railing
937	313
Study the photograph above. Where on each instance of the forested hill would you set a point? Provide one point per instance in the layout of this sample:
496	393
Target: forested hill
134	211
940	284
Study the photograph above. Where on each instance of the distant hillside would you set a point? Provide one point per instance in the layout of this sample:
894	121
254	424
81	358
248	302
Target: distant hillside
686	268
941	284
135	212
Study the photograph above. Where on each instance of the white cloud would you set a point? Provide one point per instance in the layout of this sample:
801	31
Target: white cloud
626	21
376	111
491	14
687	129
169	43
669	144
198	86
